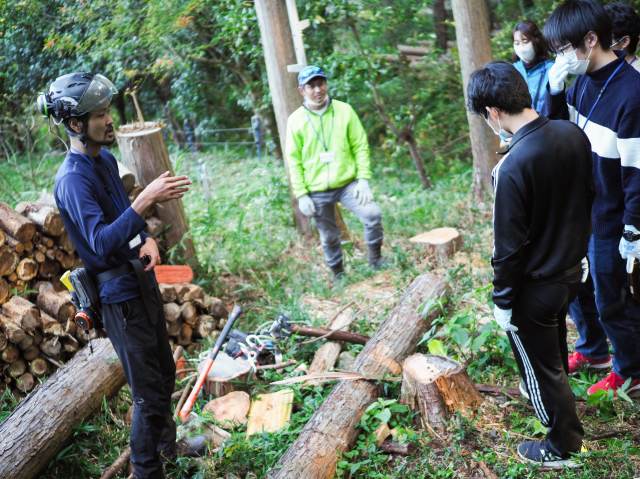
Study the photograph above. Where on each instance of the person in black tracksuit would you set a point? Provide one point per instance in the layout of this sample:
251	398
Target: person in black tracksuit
543	193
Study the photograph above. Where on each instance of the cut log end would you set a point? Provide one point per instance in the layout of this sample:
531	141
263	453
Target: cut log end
437	386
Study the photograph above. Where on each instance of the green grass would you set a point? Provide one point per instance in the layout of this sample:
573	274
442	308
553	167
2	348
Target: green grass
250	253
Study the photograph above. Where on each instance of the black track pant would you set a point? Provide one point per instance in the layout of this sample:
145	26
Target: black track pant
540	349
142	345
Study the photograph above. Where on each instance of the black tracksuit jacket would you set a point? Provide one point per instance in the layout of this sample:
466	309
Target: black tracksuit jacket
543	194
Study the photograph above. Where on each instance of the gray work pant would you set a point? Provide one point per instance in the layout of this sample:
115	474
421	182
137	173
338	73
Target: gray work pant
325	218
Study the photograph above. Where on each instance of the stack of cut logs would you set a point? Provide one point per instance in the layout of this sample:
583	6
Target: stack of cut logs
190	313
37	331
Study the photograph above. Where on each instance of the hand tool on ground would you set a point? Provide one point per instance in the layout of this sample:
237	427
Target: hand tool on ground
281	327
188	405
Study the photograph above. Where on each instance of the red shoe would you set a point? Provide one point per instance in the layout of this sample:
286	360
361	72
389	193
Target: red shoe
578	361
613	381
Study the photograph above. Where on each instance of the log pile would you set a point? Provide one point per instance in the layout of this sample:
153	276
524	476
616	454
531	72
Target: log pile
37	330
190	313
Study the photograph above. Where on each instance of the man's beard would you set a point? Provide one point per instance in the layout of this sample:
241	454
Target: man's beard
101	142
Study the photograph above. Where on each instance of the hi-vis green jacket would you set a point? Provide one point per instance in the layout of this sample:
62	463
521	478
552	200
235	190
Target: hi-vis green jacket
326	152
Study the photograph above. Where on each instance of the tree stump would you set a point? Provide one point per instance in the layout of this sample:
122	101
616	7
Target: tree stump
441	243
333	427
145	154
30	439
436	387
127	177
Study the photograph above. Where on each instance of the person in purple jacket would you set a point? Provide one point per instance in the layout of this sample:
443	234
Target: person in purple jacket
108	233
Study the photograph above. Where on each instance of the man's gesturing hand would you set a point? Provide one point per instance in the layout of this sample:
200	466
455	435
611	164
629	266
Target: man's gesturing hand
163	188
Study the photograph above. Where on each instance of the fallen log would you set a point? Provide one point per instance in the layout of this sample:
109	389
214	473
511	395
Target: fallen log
332	428
437	386
326	356
30	439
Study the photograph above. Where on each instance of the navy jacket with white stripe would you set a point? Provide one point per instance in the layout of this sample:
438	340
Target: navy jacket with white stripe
614	133
543	191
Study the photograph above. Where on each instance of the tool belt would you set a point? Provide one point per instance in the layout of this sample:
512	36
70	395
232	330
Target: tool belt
149	292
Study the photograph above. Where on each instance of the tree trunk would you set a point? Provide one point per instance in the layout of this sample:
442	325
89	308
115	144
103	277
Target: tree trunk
277	45
414	151
144	152
472	33
15	224
437	386
30	439
440	24
332	428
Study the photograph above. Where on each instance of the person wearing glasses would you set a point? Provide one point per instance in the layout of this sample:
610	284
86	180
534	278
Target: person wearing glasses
604	101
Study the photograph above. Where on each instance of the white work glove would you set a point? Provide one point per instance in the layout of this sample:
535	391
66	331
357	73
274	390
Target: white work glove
558	74
306	205
503	318
363	193
585	269
630	250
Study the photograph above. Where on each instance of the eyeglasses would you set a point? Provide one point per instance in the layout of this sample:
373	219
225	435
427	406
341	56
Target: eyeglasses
563	50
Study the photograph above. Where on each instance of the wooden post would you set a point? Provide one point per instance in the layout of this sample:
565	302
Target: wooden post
277	45
144	152
333	427
472	34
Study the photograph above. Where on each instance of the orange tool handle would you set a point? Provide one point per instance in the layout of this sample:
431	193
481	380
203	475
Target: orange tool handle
191	400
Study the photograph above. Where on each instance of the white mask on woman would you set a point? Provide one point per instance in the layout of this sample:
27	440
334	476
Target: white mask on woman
525	52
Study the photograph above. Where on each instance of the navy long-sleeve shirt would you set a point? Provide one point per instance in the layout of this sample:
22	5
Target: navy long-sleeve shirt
614	133
99	219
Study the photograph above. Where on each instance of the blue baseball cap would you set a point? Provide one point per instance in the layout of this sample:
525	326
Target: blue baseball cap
308	73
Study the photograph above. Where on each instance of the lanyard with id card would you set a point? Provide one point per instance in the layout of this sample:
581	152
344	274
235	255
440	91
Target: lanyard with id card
326	156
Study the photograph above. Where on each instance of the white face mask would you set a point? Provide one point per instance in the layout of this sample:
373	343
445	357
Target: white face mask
525	52
504	135
576	66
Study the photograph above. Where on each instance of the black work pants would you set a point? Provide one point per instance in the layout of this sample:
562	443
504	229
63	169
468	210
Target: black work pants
540	349
142	344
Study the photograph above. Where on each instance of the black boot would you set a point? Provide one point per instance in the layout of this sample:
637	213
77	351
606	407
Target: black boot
337	270
375	256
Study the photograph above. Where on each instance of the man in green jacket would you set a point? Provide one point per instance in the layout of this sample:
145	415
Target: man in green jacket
329	162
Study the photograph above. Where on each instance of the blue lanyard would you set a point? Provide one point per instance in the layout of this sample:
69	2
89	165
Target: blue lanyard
606	84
